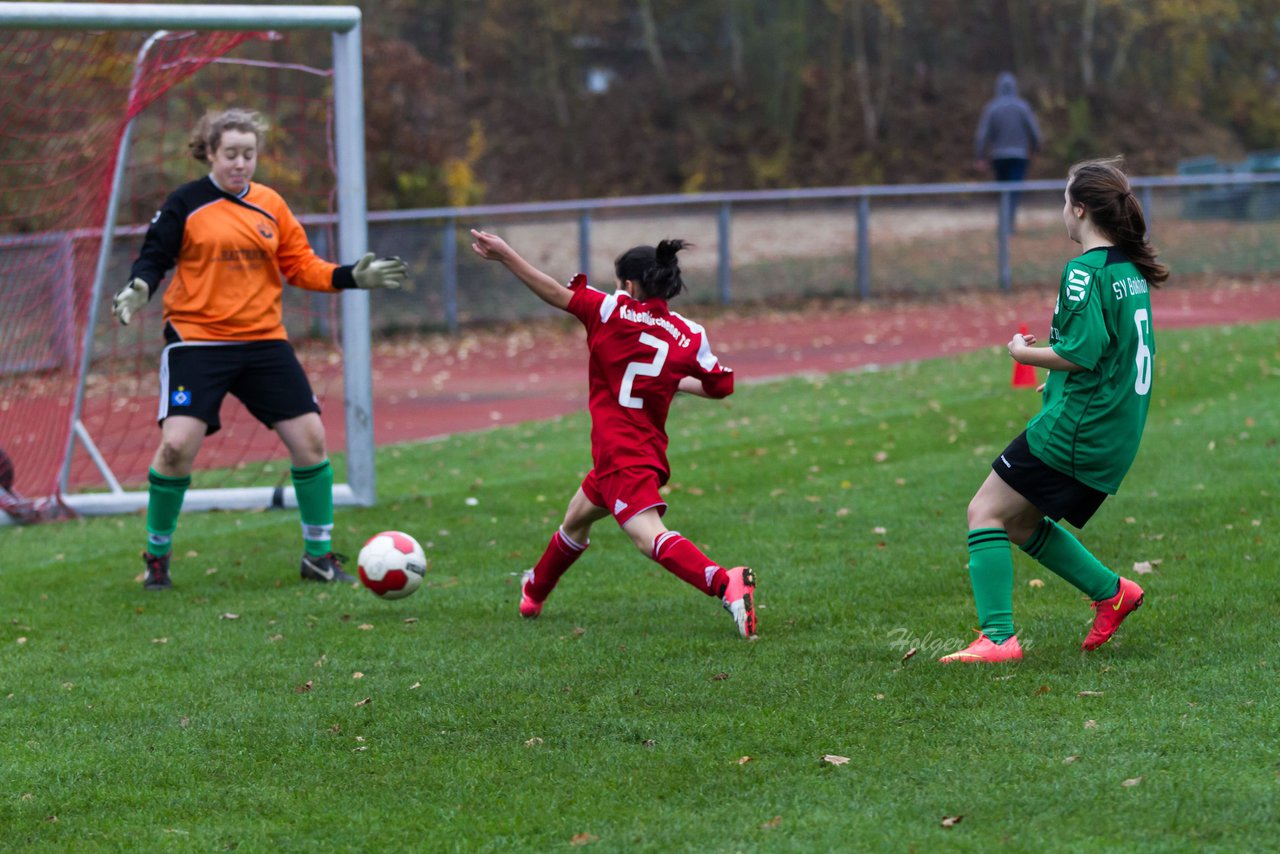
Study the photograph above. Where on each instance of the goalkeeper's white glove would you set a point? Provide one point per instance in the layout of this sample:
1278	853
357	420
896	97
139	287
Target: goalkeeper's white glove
130	298
382	273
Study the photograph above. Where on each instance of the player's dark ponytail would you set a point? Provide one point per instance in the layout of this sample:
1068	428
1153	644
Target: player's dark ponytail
656	270
1104	191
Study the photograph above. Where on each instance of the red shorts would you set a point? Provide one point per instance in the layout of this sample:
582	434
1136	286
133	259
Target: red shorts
625	492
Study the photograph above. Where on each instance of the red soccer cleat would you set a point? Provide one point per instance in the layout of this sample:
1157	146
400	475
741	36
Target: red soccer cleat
530	608
1110	613
739	599
986	651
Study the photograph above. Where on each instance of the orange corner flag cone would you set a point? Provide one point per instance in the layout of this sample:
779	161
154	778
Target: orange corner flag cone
1024	376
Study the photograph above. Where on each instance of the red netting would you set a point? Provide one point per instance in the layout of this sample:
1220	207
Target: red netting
65	98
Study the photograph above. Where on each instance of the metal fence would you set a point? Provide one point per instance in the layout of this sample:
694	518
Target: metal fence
855	242
771	246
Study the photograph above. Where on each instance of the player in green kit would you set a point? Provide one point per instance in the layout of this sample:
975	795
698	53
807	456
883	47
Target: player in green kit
1075	452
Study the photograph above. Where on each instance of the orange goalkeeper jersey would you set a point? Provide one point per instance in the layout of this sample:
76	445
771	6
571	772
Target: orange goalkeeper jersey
233	256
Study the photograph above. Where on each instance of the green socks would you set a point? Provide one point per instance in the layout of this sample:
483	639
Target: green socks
314	488
164	503
991	571
1057	550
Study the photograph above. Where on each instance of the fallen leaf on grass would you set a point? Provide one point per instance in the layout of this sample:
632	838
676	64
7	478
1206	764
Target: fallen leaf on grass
357	675
229	616
743	760
21	641
1035	582
835	760
364	627
411	619
1043	689
533	742
1131	782
1069	760
1146	567
720	677
649	743
415	686
1091	724
184	721
583	839
910	653
772	823
304	687
360	748
366	701
950	821
159	640
1089	694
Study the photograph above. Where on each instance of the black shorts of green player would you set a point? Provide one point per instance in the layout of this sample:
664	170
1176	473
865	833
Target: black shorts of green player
195	377
1056	495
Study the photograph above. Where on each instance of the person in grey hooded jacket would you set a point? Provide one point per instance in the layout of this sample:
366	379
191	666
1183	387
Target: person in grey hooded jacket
1007	136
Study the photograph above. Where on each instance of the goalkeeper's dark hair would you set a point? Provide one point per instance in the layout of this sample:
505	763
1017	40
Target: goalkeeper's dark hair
654	269
207	135
1102	188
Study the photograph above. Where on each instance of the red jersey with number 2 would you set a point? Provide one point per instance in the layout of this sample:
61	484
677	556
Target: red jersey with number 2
639	352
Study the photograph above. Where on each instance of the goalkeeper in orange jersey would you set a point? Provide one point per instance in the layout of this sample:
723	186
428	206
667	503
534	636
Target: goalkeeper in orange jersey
234	243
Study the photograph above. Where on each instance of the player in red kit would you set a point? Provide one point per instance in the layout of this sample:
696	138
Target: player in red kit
641	354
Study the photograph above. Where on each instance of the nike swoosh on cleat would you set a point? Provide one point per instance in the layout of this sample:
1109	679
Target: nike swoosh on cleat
327	574
1116	607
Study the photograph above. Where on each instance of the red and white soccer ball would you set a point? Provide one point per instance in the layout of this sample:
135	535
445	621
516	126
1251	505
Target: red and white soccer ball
391	564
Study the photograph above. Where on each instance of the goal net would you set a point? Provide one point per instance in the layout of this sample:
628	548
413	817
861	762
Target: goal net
97	112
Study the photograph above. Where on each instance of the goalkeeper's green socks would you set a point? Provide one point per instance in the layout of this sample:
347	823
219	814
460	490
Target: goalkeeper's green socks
314	488
991	572
164	503
1057	550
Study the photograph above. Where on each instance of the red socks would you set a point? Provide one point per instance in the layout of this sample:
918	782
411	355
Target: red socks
676	554
560	554
686	561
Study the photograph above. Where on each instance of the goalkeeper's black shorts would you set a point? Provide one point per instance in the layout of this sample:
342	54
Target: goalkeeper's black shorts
265	375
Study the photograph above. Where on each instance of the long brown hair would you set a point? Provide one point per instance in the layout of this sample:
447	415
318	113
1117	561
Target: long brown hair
1102	189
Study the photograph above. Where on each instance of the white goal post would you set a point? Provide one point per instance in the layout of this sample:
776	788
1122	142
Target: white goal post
344	23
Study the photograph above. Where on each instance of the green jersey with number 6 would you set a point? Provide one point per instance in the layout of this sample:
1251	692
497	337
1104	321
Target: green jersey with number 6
1091	421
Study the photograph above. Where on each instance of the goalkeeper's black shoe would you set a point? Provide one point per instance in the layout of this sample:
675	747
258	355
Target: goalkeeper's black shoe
157	574
326	568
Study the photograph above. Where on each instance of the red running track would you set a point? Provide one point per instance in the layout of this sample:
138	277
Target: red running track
439	385
443	385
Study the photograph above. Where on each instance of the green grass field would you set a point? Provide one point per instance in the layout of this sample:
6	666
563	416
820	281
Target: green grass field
630	717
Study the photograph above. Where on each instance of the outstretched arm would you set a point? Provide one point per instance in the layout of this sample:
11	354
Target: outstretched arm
491	247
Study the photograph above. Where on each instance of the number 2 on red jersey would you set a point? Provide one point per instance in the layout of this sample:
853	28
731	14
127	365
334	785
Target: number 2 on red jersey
642	369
